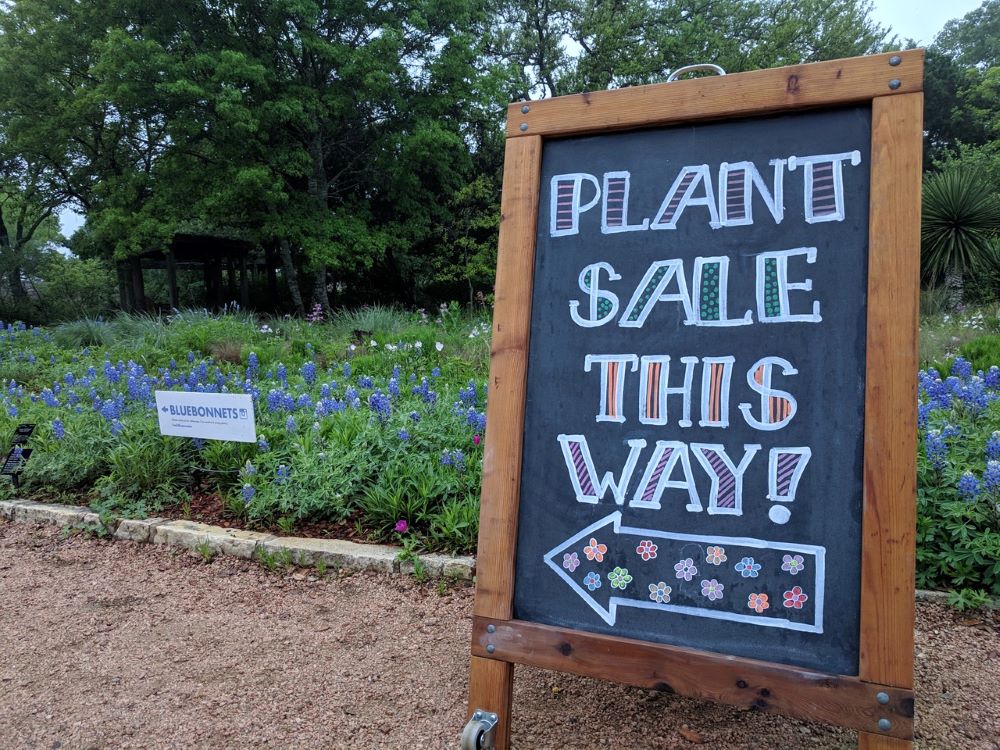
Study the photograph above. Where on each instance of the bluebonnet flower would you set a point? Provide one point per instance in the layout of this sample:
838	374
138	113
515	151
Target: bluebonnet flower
974	395
993	447
403	435
453	458
950	430
351	397
248	469
86	351
111	372
253	366
414	416
58	430
117	427
248	492
394	387
190	357
381	405
324	390
69	378
476	420
281	474
303	402
111	410
992	378
198	443
282	373
396	371
436	372
49	398
413	377
308	372
935	448
347	369
365	382
275	400
968	486
962	367
991	477
262	445
468	395
172	364
923	414
290	425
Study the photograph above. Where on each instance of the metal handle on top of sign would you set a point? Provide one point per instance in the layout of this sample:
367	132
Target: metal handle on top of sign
717	69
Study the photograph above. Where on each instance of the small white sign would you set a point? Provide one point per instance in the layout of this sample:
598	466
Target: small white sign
215	416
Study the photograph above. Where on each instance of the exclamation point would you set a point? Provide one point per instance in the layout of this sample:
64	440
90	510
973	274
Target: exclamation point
785	469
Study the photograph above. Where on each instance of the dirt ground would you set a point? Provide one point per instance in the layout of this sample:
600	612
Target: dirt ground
118	645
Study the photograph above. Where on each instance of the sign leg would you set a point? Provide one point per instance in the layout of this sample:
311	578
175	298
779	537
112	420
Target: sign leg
491	687
867	741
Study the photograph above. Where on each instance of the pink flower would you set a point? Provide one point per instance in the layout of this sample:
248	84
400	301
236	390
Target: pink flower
571	561
476	440
402	526
646	549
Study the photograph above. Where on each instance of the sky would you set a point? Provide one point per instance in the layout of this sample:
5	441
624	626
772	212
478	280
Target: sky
920	19
910	19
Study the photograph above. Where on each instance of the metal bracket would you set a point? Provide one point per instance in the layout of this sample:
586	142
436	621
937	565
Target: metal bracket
479	731
717	69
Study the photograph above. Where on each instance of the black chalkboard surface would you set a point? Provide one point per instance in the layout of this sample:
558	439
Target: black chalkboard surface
693	431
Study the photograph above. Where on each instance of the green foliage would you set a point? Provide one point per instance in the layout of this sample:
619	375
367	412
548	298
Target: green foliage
147	467
71	289
961	216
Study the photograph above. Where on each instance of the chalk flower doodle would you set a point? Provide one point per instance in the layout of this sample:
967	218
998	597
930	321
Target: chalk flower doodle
757	602
592	581
619	578
793	564
715	555
659	592
712	589
795	598
748	568
686	569
646	550
571	561
595	551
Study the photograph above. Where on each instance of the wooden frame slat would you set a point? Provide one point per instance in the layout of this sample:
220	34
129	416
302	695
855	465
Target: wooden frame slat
777	89
757	685
490	684
890	458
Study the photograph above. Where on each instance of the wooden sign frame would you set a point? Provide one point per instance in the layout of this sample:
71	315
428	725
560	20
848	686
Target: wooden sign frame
879	701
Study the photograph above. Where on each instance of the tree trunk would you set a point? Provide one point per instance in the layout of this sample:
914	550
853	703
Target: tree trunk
270	262
320	295
14	272
285	251
955	285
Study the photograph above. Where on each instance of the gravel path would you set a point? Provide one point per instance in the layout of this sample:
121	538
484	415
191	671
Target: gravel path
117	645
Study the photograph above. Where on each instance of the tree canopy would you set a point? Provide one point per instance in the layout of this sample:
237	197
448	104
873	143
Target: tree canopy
360	141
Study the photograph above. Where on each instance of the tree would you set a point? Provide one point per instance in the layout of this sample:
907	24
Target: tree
961	217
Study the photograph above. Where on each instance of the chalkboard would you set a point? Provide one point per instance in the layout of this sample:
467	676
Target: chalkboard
694	416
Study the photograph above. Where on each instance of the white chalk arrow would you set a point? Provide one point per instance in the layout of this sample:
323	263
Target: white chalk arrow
605	602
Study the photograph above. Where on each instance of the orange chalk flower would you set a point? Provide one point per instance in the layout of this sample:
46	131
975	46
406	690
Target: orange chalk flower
595	551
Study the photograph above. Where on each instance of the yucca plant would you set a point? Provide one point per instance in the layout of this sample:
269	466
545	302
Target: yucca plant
961	216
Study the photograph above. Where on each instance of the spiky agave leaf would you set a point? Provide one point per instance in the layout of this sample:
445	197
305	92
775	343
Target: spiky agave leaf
961	215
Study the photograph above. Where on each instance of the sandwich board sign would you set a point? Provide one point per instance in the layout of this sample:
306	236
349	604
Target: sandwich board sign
700	460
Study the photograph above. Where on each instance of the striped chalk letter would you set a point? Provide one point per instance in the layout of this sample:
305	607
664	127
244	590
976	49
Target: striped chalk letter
583	474
736	184
716	376
727	480
681	195
824	184
666	456
654	374
614	214
777	407
785	467
565	202
613	368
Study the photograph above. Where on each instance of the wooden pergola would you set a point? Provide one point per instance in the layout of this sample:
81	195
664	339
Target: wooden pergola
226	262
